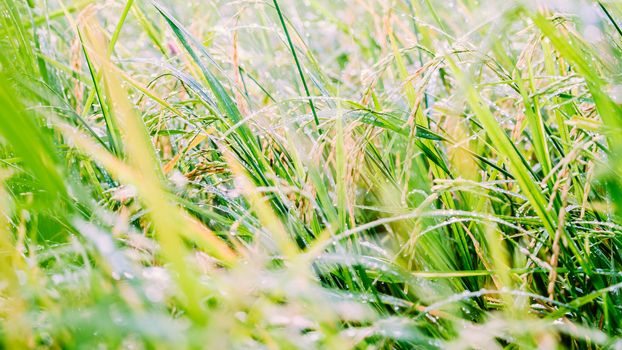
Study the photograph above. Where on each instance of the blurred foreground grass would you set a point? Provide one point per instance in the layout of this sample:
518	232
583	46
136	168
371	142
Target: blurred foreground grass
352	174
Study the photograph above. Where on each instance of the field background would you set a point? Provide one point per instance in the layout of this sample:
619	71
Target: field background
319	174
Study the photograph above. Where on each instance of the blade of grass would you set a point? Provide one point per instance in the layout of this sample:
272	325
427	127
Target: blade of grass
298	66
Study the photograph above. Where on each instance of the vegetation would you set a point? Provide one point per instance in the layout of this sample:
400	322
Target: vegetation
321	174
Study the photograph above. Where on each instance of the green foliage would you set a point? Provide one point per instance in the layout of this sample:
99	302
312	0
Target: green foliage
353	174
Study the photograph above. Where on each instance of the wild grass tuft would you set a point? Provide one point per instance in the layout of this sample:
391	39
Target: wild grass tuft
352	174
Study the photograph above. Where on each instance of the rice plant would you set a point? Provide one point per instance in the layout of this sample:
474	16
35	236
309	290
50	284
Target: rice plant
318	174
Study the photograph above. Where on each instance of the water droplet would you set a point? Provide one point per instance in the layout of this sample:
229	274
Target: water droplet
615	92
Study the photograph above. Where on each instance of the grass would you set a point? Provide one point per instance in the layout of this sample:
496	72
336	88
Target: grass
353	174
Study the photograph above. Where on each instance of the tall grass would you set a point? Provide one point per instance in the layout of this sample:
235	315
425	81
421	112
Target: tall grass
352	174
